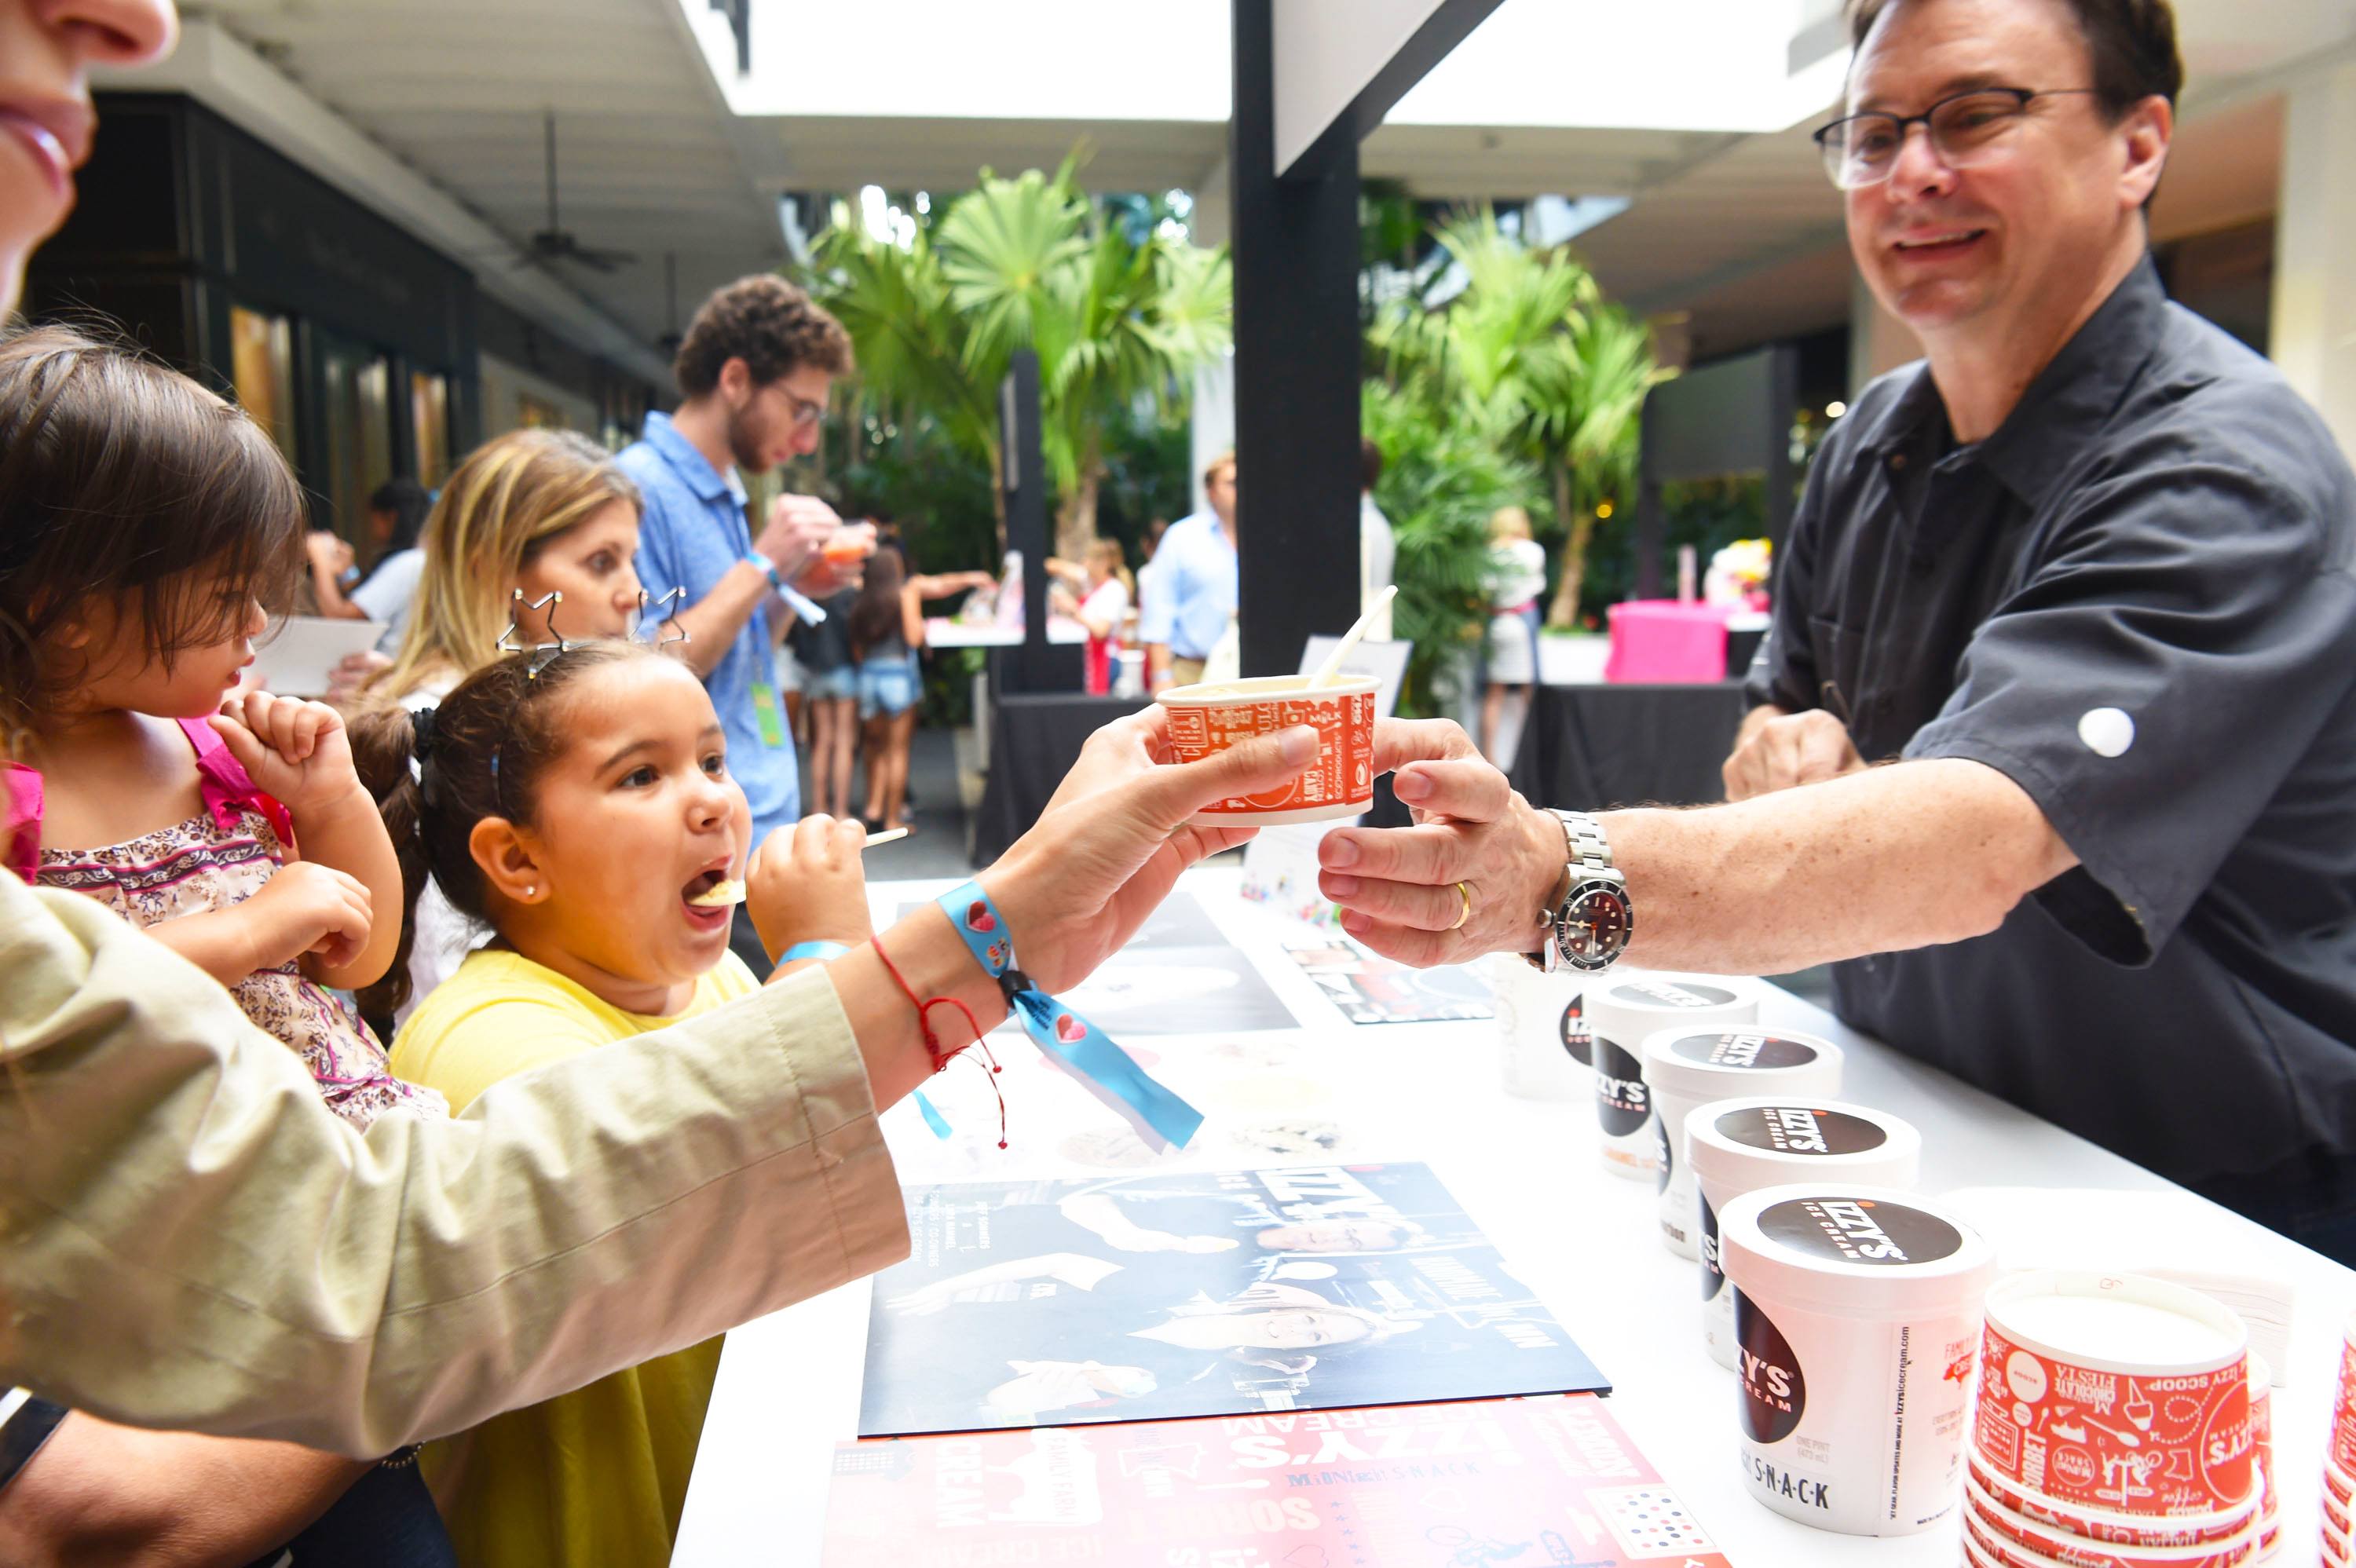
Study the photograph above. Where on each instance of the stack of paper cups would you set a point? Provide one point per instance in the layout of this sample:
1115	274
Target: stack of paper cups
2113	1427
2340	1459
1736	1146
1623	1011
1686	1067
1541	1028
1859	1313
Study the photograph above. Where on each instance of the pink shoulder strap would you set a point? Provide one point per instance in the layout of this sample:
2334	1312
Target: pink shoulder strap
227	788
20	817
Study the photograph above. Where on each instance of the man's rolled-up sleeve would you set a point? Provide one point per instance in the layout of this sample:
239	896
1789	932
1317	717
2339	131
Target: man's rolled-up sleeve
2153	682
189	1239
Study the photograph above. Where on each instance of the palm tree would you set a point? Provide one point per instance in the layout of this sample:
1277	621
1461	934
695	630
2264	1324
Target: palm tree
1530	353
1117	320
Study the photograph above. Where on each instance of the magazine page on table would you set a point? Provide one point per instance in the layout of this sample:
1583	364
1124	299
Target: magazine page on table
1180	1293
1547	1482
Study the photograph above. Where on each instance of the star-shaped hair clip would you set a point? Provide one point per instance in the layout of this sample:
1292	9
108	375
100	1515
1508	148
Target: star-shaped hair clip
658	624
542	654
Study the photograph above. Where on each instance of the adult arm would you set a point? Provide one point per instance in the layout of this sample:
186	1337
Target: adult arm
97	1493
169	1178
1892	857
797	525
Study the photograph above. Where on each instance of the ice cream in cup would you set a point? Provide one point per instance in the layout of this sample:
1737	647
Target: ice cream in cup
1212	717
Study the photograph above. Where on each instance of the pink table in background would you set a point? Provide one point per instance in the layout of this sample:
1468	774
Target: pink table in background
1660	640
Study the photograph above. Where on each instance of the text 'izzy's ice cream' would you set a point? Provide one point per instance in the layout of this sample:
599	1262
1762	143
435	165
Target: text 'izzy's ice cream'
1624	1011
1686	1067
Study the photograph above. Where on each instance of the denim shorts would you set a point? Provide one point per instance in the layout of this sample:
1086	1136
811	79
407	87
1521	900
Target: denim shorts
887	687
840	683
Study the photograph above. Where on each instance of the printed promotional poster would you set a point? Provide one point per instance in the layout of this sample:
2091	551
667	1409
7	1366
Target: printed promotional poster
1371	990
1514	1483
1178	1293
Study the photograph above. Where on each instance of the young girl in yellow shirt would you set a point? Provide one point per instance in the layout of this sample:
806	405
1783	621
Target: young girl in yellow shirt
580	805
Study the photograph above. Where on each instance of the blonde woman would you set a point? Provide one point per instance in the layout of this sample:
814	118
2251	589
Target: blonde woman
1516	579
1098	595
537	510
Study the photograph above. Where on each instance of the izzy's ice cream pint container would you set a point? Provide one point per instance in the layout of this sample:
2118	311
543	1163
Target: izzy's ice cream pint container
1542	1038
1685	1067
1734	1147
1856	1310
1623	1011
2116	1391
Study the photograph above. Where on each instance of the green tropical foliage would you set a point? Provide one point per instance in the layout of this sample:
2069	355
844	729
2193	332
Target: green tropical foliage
1119	314
1442	480
1530	355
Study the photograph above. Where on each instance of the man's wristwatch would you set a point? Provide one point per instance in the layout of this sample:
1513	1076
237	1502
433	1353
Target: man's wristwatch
1589	924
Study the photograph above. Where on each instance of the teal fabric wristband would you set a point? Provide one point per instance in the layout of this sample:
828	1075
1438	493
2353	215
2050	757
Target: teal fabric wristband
801	950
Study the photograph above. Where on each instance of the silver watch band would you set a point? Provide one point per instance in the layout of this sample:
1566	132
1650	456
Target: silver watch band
1583	839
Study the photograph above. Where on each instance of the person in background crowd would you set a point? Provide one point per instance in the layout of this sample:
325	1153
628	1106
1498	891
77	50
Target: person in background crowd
755	371
532	512
1151	540
887	628
2053	742
1096	594
396	513
1377	546
161	1158
1194	596
831	696
1509	648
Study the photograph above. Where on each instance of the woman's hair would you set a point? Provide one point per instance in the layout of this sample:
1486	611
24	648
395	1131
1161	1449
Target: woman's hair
1508	523
409	502
120	477
875	617
1108	554
490	742
503	506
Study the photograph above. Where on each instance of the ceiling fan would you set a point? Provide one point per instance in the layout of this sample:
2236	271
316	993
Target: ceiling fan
556	243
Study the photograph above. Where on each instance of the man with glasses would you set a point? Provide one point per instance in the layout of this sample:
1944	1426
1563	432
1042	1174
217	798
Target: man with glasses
2054	736
753	372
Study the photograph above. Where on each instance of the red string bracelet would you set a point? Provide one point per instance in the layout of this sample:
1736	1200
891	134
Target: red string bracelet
940	1058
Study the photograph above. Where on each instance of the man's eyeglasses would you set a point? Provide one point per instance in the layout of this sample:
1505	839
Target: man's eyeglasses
1862	149
805	414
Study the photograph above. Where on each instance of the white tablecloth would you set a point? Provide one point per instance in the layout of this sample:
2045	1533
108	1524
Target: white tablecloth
1527	1173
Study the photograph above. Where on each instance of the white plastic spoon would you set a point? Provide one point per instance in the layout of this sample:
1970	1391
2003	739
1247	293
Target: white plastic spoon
1333	665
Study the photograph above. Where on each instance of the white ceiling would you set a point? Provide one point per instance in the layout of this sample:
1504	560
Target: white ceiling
1736	226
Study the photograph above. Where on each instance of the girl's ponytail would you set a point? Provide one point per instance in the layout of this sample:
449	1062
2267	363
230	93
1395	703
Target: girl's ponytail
388	752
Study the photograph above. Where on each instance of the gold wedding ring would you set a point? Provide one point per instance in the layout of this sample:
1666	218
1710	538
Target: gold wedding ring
1467	914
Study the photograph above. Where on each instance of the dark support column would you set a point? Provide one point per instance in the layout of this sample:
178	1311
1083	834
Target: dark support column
1651	540
1023	477
1296	260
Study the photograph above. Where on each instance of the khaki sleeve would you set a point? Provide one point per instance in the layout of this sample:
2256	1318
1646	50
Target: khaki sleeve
189	1239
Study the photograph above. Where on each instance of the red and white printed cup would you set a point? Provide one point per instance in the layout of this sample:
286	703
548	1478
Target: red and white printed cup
2340	1486
1210	717
2018	1540
2335	1512
2116	1528
2262	1441
2159	1431
2342	1452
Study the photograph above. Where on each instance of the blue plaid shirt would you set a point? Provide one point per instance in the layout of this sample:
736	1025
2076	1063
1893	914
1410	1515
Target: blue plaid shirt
692	530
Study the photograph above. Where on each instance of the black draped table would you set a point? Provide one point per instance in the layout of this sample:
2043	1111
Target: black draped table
1585	747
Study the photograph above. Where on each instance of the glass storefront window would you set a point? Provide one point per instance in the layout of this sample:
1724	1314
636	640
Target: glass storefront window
429	414
261	363
359	423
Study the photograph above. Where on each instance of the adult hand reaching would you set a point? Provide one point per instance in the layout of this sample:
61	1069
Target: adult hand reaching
1783	750
1471	875
1110	845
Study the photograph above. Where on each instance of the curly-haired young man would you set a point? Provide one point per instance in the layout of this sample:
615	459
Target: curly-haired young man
753	372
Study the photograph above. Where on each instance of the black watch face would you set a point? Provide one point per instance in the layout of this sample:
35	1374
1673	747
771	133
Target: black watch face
1594	926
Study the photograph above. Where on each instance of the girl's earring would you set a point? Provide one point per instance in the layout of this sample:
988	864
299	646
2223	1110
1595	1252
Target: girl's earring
531	890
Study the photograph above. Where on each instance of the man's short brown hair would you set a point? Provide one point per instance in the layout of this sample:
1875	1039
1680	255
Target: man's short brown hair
1225	460
2133	43
768	323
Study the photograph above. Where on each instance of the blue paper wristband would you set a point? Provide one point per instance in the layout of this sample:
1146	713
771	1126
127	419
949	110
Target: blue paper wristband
801	950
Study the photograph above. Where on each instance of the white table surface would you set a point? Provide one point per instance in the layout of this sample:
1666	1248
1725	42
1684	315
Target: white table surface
1527	1172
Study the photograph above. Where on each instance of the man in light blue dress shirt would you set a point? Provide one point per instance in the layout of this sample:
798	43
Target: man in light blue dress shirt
753	372
1193	595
